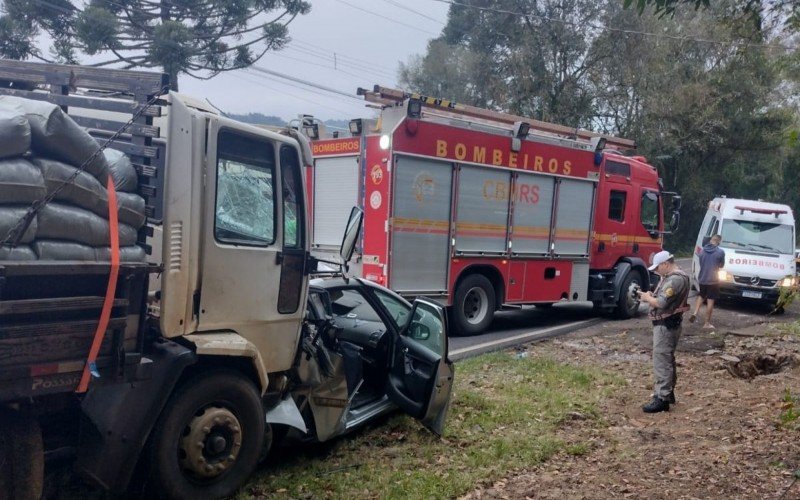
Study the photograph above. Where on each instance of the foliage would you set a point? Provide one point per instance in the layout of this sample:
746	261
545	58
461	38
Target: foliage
197	37
505	415
784	12
708	96
789	417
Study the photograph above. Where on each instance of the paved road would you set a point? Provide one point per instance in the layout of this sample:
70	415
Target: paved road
517	327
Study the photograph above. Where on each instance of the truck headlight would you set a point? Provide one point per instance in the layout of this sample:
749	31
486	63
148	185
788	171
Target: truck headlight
724	275
788	281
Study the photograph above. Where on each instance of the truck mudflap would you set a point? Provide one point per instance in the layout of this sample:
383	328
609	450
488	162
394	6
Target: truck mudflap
117	418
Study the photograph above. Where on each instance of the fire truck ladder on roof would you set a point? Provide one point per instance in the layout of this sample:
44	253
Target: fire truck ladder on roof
386	96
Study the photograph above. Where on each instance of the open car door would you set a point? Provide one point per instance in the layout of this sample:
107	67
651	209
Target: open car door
420	375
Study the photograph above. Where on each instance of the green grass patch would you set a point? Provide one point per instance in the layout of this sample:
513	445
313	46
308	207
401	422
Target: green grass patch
504	416
789	417
792	328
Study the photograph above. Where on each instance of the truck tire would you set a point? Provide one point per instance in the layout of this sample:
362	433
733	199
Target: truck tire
208	439
21	457
473	305
627	307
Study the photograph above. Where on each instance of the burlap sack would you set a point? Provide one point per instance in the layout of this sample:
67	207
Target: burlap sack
55	135
68	223
15	131
87	192
20	182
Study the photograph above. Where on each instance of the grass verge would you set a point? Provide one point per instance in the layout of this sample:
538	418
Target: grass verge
504	416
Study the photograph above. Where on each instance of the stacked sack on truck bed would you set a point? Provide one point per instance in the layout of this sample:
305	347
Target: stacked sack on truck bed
40	148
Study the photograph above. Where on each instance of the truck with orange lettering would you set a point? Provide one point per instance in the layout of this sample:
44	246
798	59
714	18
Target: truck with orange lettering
485	209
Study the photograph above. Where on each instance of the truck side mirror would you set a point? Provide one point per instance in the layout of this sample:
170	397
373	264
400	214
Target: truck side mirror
675	220
676	203
351	235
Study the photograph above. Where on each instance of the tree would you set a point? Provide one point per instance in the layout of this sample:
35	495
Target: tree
783	13
530	57
704	94
200	38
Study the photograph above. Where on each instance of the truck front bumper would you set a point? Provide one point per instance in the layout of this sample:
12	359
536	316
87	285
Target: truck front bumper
734	290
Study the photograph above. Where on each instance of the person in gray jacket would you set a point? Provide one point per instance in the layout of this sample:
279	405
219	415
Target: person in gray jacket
667	305
712	259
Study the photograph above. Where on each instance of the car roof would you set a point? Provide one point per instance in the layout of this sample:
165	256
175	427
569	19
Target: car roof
339	281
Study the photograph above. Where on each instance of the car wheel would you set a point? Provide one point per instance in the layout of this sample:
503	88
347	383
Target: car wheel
627	306
473	305
209	438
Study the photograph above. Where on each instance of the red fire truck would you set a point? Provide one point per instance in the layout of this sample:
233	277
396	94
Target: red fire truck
485	209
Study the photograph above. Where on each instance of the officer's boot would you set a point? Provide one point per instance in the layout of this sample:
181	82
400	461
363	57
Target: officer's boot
671	398
656	405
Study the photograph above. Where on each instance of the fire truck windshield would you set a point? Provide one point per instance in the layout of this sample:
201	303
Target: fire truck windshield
759	236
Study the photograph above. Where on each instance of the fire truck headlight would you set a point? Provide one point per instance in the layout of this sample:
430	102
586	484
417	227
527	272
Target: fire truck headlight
384	141
788	281
724	275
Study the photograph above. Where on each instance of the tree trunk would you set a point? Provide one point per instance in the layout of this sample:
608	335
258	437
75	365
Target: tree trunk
173	79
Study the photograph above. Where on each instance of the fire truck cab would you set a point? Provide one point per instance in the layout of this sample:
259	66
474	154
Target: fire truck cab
485	209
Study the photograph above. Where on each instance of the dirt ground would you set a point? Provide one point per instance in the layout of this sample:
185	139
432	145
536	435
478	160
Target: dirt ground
721	439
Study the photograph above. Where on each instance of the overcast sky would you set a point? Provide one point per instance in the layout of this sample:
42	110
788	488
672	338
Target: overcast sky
367	49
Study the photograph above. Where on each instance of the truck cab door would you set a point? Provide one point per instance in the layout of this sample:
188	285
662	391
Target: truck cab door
253	240
420	375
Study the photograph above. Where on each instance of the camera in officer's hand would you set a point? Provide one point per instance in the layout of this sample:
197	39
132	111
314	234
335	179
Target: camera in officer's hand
635	291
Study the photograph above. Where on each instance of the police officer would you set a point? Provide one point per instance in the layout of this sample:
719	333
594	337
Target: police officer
667	305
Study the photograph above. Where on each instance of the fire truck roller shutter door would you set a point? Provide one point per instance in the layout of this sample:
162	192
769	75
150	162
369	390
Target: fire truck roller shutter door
533	212
335	193
420	225
574	217
481	222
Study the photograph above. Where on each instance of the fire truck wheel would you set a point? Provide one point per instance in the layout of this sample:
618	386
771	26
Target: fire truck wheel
208	439
473	305
627	306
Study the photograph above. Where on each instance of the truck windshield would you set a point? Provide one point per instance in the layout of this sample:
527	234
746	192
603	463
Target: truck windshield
759	236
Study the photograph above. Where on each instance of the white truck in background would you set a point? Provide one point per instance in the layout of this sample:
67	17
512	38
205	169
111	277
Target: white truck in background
758	238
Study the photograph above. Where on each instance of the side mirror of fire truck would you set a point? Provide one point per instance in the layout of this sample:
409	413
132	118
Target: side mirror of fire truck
674	221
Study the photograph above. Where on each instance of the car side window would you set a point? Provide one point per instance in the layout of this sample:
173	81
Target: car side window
397	309
350	303
426	328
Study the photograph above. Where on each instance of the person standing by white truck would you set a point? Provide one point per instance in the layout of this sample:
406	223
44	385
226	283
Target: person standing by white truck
712	259
758	239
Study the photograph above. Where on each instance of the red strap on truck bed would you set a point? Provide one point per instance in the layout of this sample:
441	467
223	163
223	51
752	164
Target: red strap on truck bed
111	290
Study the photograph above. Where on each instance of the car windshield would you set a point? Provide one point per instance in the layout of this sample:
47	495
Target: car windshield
759	236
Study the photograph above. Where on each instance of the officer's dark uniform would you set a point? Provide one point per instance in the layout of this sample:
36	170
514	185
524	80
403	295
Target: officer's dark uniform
671	294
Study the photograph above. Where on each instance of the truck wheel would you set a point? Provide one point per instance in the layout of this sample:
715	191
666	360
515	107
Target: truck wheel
473	305
21	457
208	439
627	307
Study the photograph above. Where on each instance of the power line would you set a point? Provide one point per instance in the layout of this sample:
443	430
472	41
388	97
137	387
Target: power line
401	6
312	63
304	82
283	92
337	62
339	58
387	18
325	49
584	25
336	98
